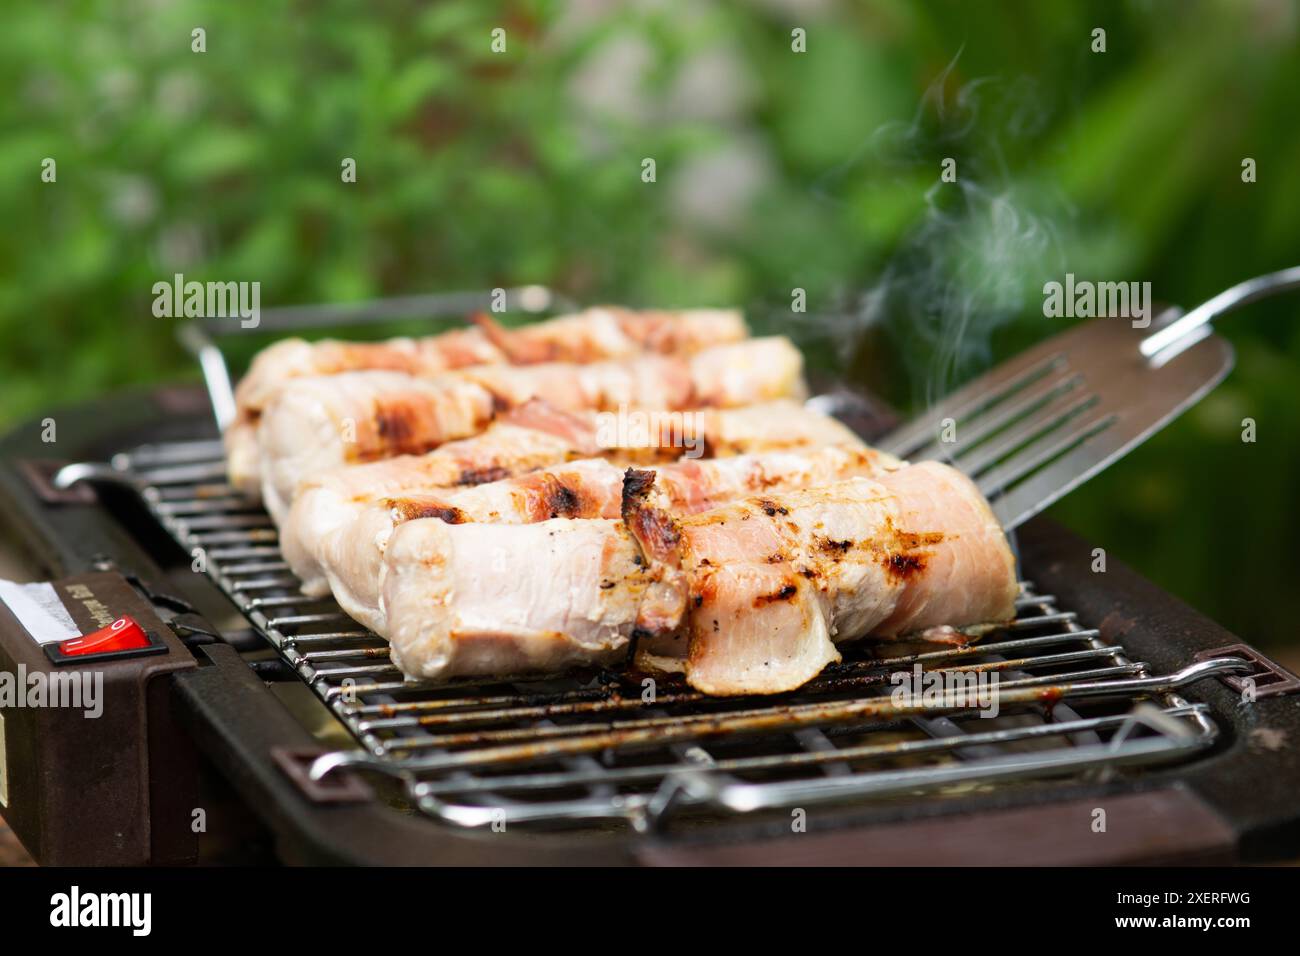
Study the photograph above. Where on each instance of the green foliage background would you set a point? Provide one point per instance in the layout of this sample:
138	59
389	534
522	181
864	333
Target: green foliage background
775	170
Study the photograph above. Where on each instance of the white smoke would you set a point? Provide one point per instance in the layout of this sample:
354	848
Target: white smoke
976	259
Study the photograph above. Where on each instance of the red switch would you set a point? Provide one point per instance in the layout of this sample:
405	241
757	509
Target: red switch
124	634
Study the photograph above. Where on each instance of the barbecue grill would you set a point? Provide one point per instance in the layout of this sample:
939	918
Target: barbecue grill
1128	729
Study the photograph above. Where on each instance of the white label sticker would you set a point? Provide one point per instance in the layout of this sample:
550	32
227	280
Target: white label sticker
39	610
4	766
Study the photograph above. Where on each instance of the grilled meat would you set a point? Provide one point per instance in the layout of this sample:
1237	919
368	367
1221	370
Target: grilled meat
611	332
498	501
292	359
771	584
316	423
501	599
588	336
295	358
594	488
531	436
756	594
724	376
351	556
313	424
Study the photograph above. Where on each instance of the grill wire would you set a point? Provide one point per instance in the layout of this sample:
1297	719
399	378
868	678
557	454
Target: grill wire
596	747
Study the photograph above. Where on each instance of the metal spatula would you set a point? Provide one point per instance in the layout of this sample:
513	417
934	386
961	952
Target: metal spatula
1043	423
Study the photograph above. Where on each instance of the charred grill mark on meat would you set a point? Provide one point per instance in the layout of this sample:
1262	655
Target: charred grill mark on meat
654	531
393	424
413	509
561	500
785	593
481	476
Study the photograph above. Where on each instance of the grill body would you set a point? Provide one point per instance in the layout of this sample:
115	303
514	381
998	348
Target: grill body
1214	787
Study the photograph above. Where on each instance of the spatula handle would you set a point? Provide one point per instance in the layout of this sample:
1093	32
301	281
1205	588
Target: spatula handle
1240	294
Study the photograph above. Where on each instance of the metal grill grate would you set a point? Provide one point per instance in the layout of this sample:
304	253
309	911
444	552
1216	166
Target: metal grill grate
601	746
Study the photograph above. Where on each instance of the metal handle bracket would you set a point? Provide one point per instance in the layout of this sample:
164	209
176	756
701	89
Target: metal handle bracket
1270	678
